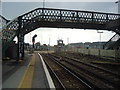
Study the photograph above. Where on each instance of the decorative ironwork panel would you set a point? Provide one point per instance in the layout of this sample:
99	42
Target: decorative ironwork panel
113	17
115	38
100	18
85	17
3	21
9	31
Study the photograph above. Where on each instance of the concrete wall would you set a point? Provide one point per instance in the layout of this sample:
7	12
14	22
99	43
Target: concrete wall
97	52
118	54
107	53
94	51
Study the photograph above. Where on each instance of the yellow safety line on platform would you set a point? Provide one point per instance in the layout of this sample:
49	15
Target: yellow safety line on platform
26	80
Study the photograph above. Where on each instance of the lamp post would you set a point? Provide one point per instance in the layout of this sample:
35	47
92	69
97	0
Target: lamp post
100	38
118	2
43	3
49	44
99	41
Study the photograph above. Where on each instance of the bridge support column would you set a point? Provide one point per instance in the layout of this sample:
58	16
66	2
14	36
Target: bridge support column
20	37
20	46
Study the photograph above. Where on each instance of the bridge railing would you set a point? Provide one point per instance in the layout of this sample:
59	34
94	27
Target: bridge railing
54	15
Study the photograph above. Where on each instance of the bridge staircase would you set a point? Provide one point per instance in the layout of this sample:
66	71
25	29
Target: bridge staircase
113	43
9	31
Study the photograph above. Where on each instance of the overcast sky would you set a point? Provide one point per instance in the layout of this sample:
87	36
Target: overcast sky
11	10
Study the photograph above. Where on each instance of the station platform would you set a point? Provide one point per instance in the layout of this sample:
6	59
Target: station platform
30	73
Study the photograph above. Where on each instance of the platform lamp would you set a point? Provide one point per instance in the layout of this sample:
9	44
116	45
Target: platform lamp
118	2
43	3
100	38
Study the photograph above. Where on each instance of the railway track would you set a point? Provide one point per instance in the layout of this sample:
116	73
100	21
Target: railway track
65	78
91	65
100	77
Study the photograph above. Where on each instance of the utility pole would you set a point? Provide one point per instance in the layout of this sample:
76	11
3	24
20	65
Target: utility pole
116	52
118	2
67	40
100	38
49	40
49	43
43	3
99	41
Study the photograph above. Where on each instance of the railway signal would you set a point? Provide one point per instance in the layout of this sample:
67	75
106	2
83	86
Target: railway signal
33	39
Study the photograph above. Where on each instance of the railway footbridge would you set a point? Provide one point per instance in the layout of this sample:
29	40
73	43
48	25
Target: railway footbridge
55	18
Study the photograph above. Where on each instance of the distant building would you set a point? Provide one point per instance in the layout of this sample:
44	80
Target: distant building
60	43
77	45
37	45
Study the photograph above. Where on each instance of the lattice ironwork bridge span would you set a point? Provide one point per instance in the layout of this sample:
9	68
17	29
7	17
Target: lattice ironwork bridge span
56	18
